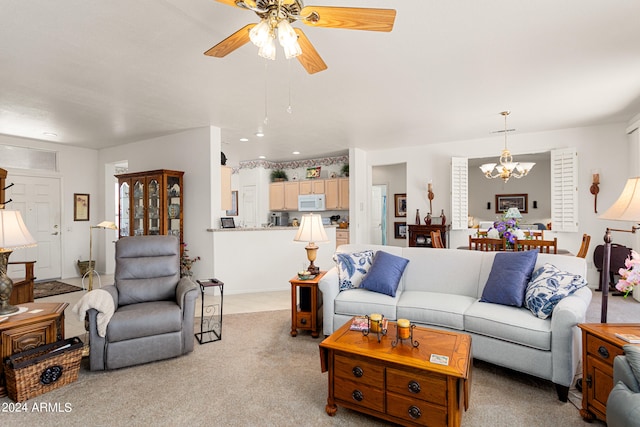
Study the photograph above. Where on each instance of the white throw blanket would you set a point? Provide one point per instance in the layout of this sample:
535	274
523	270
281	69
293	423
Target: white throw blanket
102	301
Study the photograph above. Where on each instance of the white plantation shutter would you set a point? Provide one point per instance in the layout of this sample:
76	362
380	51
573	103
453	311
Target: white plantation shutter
564	190
459	193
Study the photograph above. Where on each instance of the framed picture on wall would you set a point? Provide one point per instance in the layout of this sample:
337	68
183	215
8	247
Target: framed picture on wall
80	207
400	230
400	203
506	201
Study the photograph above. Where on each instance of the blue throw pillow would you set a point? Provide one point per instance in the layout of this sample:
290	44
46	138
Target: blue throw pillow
548	286
385	273
352	268
509	277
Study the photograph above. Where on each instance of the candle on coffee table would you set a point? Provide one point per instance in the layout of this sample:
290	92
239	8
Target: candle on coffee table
403	328
375	319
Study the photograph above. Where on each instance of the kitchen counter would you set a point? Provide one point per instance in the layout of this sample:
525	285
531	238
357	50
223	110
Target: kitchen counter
290	227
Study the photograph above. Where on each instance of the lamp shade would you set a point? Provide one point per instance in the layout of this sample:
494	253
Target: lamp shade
107	224
13	232
627	207
513	213
311	230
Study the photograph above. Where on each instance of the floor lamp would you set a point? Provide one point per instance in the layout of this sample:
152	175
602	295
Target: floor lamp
626	208
13	235
104	225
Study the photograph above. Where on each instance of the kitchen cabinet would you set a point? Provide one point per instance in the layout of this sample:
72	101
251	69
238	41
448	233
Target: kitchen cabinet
342	236
316	186
337	193
283	196
150	203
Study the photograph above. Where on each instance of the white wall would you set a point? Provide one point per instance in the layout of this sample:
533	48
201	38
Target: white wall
600	147
77	171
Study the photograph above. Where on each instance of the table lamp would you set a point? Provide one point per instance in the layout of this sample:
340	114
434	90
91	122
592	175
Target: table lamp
13	235
626	208
513	213
311	230
104	224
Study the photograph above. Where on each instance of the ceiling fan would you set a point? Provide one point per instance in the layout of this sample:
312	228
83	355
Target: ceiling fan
276	17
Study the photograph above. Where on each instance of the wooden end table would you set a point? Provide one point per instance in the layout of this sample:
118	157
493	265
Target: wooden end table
306	305
599	347
30	329
399	384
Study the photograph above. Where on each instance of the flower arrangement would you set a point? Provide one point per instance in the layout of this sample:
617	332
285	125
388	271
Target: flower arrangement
186	263
507	228
630	275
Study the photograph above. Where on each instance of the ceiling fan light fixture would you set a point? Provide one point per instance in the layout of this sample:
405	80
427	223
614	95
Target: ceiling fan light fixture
260	34
268	50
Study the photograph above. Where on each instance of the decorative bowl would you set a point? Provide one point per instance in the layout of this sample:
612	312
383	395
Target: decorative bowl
306	276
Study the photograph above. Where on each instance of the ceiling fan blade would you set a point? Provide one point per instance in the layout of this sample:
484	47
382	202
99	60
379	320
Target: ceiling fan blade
354	18
310	59
251	3
231	43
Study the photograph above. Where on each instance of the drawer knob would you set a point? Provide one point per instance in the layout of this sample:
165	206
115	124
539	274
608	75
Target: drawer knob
414	412
603	352
357	395
414	386
303	321
357	372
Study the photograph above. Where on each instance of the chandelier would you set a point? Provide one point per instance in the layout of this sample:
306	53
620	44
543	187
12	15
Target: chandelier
275	22
507	167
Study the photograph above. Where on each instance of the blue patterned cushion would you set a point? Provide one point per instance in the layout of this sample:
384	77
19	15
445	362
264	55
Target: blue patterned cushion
352	268
548	286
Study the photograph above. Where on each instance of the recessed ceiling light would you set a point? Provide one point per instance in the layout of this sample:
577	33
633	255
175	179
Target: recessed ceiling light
244	139
259	134
262	157
296	152
50	134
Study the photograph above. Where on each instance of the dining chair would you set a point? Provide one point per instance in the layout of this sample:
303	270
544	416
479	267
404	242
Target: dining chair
535	234
584	247
482	233
436	240
543	246
486	244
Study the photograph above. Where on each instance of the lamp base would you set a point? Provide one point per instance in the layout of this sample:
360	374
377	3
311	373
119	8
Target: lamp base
6	286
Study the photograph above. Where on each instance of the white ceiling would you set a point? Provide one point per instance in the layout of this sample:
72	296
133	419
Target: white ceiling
100	73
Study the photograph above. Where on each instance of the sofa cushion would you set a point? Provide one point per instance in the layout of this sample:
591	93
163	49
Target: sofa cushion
434	308
509	277
623	406
548	286
508	323
352	268
633	358
354	302
144	319
385	273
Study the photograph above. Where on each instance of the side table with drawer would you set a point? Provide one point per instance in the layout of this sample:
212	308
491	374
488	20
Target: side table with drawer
306	305
599	347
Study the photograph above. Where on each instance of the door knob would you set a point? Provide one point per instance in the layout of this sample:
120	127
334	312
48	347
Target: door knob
54	234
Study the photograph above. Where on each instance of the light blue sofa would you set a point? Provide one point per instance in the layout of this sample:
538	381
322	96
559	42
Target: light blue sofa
441	288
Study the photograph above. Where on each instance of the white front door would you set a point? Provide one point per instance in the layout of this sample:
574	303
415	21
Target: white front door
38	200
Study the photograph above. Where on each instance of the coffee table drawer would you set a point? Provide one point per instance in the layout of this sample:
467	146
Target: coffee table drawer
359	394
416	411
359	370
429	387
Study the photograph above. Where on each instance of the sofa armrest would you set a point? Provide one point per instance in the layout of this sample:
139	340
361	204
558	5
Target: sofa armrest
566	340
185	285
330	289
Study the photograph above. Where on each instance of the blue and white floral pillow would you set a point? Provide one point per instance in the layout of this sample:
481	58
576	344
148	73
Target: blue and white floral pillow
352	267
548	285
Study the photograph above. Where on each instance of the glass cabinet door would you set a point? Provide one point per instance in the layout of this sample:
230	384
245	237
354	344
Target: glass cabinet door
124	209
173	206
153	207
138	208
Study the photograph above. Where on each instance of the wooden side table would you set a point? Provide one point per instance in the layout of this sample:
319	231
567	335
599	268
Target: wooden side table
30	329
599	347
306	305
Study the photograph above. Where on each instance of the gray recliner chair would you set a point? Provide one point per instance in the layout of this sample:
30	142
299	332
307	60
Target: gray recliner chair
623	404
154	307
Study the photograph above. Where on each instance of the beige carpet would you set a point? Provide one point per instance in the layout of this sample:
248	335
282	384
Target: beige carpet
258	375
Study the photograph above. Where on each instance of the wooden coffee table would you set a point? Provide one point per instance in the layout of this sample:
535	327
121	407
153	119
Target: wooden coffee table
399	384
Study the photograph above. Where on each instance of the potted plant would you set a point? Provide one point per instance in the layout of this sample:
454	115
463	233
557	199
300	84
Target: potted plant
278	175
345	169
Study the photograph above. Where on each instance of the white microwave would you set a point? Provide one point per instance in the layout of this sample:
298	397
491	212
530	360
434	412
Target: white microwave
311	202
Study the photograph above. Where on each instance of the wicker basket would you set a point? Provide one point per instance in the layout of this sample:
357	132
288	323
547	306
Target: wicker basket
42	369
84	267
